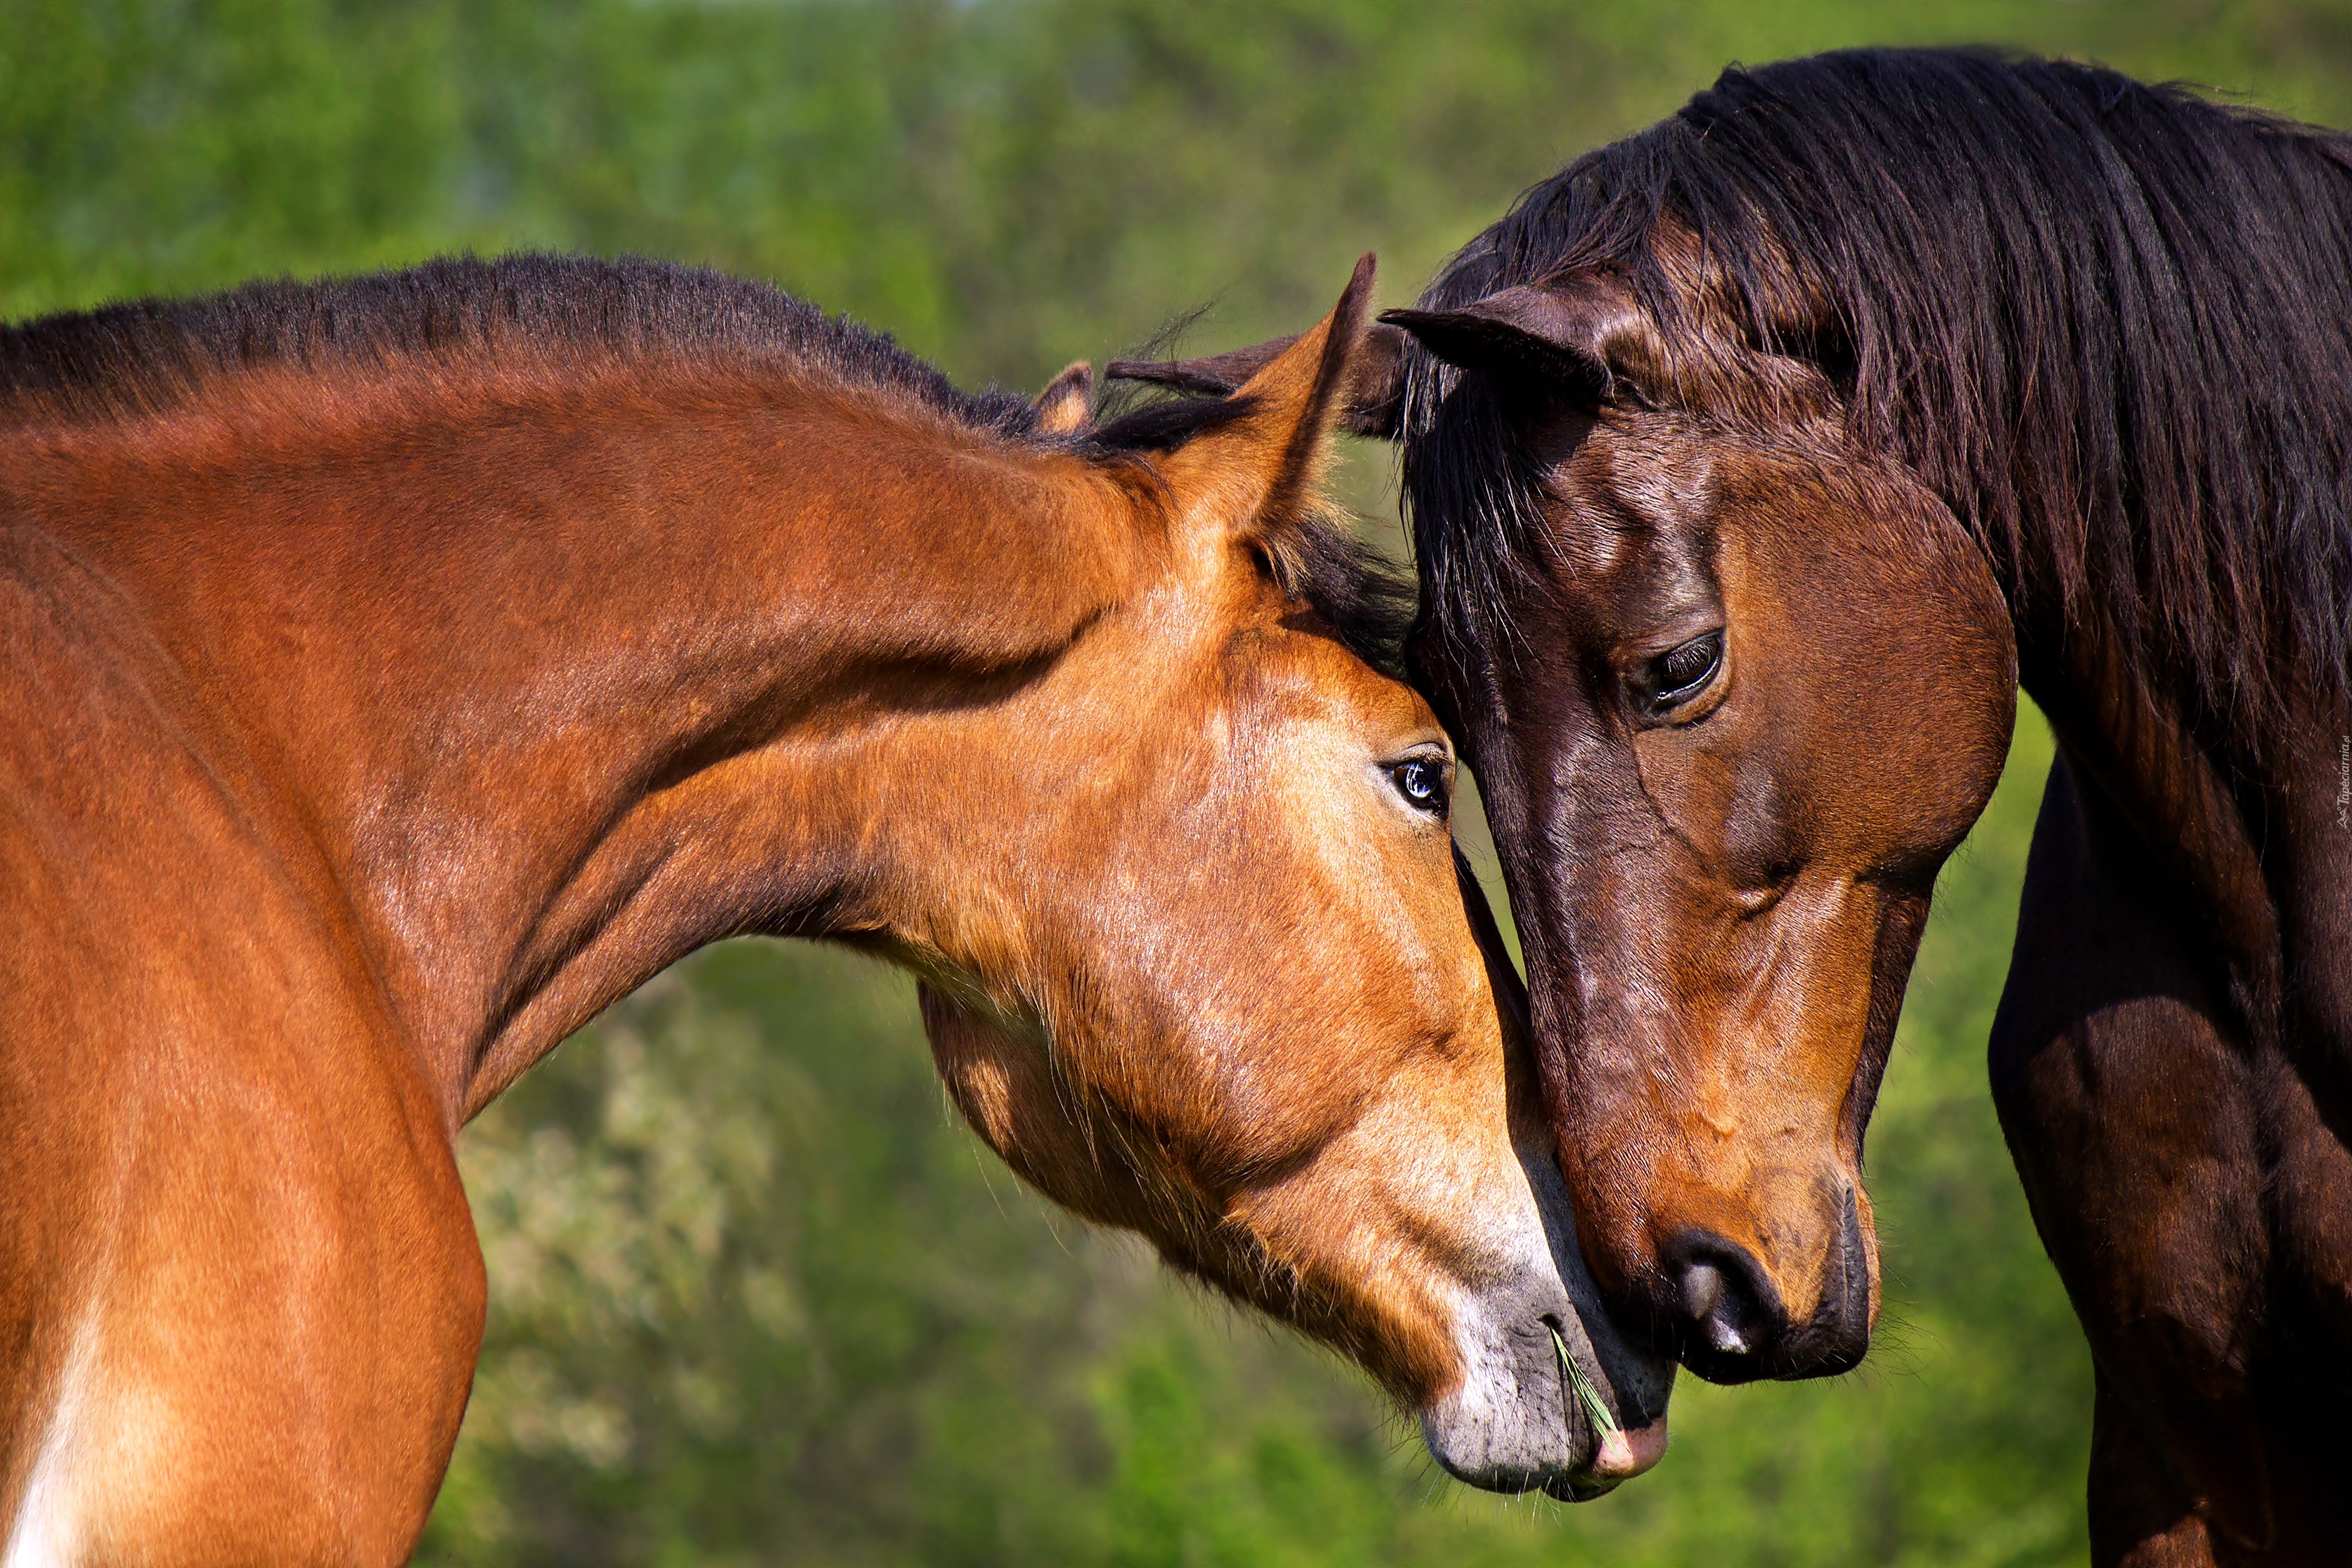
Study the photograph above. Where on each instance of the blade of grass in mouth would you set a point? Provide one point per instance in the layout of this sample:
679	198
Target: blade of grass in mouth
1585	1394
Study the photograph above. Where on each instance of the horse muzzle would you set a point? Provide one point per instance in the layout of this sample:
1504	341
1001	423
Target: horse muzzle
1554	1397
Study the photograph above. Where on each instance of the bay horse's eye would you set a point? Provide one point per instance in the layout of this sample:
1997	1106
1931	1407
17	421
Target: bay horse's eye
1421	782
1682	671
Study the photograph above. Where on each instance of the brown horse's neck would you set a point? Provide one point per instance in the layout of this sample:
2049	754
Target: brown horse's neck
559	682
2136	742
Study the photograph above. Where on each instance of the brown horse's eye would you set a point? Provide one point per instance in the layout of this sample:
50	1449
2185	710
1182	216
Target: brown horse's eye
1421	782
1682	671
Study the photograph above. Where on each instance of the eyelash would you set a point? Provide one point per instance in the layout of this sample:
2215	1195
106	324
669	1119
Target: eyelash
1682	671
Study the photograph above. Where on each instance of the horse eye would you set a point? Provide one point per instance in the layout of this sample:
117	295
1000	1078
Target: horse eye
1421	782
1679	672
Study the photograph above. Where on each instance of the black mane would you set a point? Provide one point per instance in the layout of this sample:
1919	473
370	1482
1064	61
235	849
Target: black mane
125	359
2111	323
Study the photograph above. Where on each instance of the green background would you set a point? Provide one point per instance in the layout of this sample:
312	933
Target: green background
756	1296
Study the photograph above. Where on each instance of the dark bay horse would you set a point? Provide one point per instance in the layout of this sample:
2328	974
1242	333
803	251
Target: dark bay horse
1753	462
399	671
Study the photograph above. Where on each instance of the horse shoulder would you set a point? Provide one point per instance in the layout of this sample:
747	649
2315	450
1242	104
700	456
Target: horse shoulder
226	1205
2134	1103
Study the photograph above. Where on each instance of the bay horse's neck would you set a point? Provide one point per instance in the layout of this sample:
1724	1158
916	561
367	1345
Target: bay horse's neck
560	682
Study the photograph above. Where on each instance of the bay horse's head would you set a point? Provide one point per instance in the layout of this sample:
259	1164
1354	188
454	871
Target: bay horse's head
1735	682
1214	976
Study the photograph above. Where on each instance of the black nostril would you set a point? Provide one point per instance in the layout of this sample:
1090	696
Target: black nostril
1710	1306
1729	1309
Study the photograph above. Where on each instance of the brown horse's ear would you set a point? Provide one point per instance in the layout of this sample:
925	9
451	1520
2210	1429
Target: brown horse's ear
1375	393
1580	334
1067	403
1255	472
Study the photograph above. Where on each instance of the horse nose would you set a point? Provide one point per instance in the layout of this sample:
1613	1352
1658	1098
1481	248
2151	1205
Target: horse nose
1725	1306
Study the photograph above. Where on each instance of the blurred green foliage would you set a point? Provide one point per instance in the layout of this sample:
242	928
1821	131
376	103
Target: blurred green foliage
757	1298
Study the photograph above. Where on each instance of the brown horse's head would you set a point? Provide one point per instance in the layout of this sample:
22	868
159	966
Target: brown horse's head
1213	978
1735	684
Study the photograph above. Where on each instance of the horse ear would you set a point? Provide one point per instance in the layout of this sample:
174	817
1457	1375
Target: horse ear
1577	333
1256	471
1065	404
1375	393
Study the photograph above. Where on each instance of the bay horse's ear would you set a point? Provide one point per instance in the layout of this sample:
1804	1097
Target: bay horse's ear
1255	471
1579	334
1375	394
1067	403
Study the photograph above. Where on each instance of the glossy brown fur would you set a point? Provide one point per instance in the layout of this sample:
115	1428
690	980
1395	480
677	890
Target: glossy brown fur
1922	375
374	717
1720	912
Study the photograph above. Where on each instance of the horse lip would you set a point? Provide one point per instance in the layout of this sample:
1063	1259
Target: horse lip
1623	1454
1621	1457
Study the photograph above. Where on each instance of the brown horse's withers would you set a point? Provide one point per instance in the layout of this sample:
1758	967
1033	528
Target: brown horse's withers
1741	456
399	671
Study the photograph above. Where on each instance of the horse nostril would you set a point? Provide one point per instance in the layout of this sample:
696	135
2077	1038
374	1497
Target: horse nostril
1703	1295
1727	1305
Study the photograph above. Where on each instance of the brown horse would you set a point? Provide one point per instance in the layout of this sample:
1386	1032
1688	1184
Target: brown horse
1752	463
400	670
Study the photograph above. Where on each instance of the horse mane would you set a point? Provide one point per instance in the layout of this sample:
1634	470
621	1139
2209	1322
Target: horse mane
2110	322
131	360
125	361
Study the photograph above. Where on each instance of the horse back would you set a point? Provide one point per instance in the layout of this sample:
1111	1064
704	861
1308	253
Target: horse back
238	1282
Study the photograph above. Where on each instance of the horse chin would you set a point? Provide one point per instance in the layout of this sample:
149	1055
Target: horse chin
1516	1425
1517	1422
